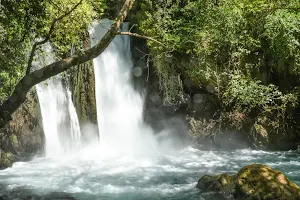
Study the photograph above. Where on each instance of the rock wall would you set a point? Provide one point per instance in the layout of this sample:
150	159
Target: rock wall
23	137
82	84
83	90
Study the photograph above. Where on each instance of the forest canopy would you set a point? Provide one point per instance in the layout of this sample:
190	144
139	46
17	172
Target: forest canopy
224	35
25	22
244	52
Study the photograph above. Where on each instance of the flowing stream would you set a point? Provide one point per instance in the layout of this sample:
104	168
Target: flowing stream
129	162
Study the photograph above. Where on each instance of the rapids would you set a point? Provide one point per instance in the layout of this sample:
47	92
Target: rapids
173	175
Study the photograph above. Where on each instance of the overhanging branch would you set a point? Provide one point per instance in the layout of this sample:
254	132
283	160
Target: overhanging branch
47	38
29	80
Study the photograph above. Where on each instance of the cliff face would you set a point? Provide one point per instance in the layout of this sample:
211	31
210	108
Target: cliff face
82	85
83	90
23	136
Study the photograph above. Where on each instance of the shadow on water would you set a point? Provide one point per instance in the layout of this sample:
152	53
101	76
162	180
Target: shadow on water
29	194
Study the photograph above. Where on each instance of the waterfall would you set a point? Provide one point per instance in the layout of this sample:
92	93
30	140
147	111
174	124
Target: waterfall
60	121
119	106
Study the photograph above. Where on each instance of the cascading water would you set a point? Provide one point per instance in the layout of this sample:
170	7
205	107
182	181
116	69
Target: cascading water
60	121
119	106
91	174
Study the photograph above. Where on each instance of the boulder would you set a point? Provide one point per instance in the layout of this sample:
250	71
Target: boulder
6	159
253	182
223	183
260	182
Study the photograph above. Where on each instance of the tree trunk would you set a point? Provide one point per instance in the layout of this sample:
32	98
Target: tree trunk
35	77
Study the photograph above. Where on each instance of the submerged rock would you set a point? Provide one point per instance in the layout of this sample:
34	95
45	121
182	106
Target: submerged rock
222	183
253	182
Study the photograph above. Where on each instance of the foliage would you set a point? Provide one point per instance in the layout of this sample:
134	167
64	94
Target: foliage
71	31
249	98
225	35
246	95
22	23
201	128
282	30
169	79
229	44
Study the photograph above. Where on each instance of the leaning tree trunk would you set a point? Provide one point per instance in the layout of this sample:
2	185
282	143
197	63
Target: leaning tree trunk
28	81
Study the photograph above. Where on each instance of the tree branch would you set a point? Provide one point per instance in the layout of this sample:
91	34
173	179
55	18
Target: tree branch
19	94
47	38
140	36
297	9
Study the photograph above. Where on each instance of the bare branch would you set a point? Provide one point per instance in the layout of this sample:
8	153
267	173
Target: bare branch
140	36
132	27
47	38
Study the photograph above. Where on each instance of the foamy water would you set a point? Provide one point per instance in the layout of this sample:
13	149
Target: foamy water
94	175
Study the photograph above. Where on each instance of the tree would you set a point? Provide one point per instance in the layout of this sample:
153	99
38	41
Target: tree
26	24
245	53
205	38
32	78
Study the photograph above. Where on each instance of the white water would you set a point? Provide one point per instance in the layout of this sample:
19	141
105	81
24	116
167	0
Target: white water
119	106
103	173
60	121
171	176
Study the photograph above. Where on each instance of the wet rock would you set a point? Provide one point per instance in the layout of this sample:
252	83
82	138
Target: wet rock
223	183
82	83
25	132
260	182
6	159
253	182
23	136
203	105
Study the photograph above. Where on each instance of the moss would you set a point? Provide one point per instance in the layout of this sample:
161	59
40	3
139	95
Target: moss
83	89
223	183
261	182
14	140
6	160
255	182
